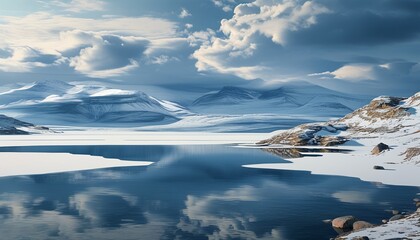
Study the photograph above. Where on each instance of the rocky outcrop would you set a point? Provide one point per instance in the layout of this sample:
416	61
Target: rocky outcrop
378	149
381	115
309	134
411	153
12	126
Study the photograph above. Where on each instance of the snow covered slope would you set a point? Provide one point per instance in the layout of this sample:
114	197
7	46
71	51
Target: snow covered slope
389	116
11	126
292	98
55	102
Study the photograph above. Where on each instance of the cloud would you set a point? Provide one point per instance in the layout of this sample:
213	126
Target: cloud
162	59
366	71
184	13
76	6
341	44
108	55
100	48
24	59
225	5
242	34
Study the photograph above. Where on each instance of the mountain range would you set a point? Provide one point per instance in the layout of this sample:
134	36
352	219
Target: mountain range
55	102
292	98
62	103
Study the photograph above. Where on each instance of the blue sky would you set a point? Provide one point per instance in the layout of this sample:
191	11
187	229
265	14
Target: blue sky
371	47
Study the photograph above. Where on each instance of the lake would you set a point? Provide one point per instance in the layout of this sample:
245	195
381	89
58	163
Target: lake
190	192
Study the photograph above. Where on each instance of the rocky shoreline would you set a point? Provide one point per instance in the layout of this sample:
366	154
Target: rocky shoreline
402	225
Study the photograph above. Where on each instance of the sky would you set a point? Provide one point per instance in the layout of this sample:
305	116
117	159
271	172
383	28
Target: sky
358	46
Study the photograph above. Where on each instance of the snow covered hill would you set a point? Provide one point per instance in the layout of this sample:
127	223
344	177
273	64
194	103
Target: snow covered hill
55	102
391	116
11	126
291	98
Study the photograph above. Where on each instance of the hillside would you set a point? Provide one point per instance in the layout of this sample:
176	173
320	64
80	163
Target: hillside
12	126
55	102
301	98
383	115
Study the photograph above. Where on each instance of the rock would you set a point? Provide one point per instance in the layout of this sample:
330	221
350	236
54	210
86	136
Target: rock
361	225
417	204
379	148
395	212
345	222
378	167
396	217
360	238
384	221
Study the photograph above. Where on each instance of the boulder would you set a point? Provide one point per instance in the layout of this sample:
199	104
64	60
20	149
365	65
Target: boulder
360	238
345	222
396	217
361	225
378	167
379	148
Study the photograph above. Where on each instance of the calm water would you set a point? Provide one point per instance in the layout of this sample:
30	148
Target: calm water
191	192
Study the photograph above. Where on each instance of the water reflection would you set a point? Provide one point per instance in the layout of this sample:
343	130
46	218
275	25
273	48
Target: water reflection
302	152
191	192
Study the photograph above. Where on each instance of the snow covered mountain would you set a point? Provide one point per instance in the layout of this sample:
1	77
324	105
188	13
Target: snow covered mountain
11	126
55	102
297	98
389	117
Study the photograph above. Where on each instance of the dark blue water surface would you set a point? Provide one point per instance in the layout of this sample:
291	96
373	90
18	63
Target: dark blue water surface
190	192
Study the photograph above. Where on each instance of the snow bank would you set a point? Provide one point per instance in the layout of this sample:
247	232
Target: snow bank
14	164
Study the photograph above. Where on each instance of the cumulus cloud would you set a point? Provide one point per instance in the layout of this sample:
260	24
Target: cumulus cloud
241	34
343	41
108	55
101	48
184	13
225	5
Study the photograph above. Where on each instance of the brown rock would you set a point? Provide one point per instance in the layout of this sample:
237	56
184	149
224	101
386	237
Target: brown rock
345	222
379	148
361	225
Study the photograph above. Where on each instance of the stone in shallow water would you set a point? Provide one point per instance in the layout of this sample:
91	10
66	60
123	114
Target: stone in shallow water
396	217
361	225
345	222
